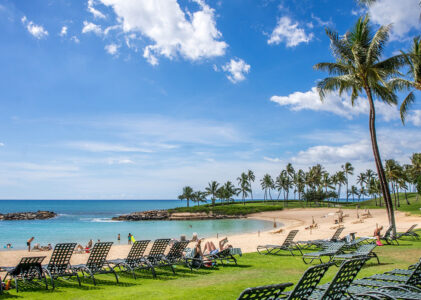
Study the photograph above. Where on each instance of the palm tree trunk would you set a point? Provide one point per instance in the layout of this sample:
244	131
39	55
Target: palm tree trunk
379	165
406	198
347	194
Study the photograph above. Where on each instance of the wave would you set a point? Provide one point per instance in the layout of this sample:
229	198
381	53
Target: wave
103	220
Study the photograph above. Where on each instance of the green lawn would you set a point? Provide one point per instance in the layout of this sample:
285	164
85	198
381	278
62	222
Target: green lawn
221	283
413	207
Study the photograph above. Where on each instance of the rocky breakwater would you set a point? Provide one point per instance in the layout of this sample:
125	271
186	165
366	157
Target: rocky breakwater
166	215
39	215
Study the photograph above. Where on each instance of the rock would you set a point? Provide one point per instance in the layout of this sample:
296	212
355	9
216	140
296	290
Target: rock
39	215
165	215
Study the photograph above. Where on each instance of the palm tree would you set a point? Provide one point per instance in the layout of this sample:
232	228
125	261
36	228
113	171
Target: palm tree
413	61
230	191
187	194
359	68
341	180
267	184
211	190
251	178
279	184
416	172
300	183
198	197
348	170
243	182
353	192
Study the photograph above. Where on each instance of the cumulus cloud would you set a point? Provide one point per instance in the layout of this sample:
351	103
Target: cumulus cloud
91	27
63	31
96	13
289	32
75	39
236	69
272	159
334	103
36	30
403	14
120	161
112	49
1	144
414	117
172	31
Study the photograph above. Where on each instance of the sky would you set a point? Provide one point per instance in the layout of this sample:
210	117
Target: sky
134	99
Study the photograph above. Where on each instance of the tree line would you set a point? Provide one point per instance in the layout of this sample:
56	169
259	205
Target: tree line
316	184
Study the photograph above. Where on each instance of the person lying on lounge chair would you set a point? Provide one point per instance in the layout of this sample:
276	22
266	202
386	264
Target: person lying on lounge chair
210	246
80	248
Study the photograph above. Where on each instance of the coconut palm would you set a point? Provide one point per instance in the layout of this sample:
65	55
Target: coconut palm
354	192
300	183
267	185
231	191
413	80
187	194
251	179
327	181
341	178
199	197
243	182
211	190
348	170
359	68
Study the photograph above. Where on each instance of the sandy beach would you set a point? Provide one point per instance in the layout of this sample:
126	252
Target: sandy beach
290	218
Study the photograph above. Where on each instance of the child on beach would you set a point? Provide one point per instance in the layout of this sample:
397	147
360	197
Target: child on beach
129	237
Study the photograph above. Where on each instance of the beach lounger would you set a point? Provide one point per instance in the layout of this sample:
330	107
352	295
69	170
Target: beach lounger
288	245
362	251
156	256
135	259
59	265
266	292
321	242
97	262
224	255
338	287
176	254
28	269
394	278
388	238
329	250
410	233
358	242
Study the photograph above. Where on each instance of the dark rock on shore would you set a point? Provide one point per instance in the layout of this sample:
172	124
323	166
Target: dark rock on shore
165	215
39	215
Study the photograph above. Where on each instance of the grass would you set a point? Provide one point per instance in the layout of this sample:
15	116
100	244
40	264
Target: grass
413	207
224	282
233	209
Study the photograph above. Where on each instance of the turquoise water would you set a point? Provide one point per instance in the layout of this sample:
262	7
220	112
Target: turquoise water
81	220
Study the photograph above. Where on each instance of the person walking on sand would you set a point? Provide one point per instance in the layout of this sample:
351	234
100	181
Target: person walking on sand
129	239
28	243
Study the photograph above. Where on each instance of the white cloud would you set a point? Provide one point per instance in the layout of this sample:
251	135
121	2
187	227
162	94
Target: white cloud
75	39
289	32
105	147
275	159
403	14
36	30
1	144
96	13
120	161
172	31
91	27
63	31
236	69
414	117
112	49
339	105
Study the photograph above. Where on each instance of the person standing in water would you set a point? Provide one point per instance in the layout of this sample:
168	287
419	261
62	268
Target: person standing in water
118	238
129	239
28	243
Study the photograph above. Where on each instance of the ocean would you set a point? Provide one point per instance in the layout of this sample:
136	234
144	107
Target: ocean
81	220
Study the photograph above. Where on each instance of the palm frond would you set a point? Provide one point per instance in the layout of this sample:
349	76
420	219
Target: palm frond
407	102
377	44
337	68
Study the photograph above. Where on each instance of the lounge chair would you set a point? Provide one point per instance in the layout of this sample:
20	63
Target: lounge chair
321	242
410	233
338	288
28	269
362	251
329	250
266	292
358	242
394	278
156	256
288	245
59	265
175	255
388	238
224	255
135	259
97	262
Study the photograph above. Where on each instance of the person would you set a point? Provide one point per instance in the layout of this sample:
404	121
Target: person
118	238
194	237
87	247
210	246
28	243
377	235
129	237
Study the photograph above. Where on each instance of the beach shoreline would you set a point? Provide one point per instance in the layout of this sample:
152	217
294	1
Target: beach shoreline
295	218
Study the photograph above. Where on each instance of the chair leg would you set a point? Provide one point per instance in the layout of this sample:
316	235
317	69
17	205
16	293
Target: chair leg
78	278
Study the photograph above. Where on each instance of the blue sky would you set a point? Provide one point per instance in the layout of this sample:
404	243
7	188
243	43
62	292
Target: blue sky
119	99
